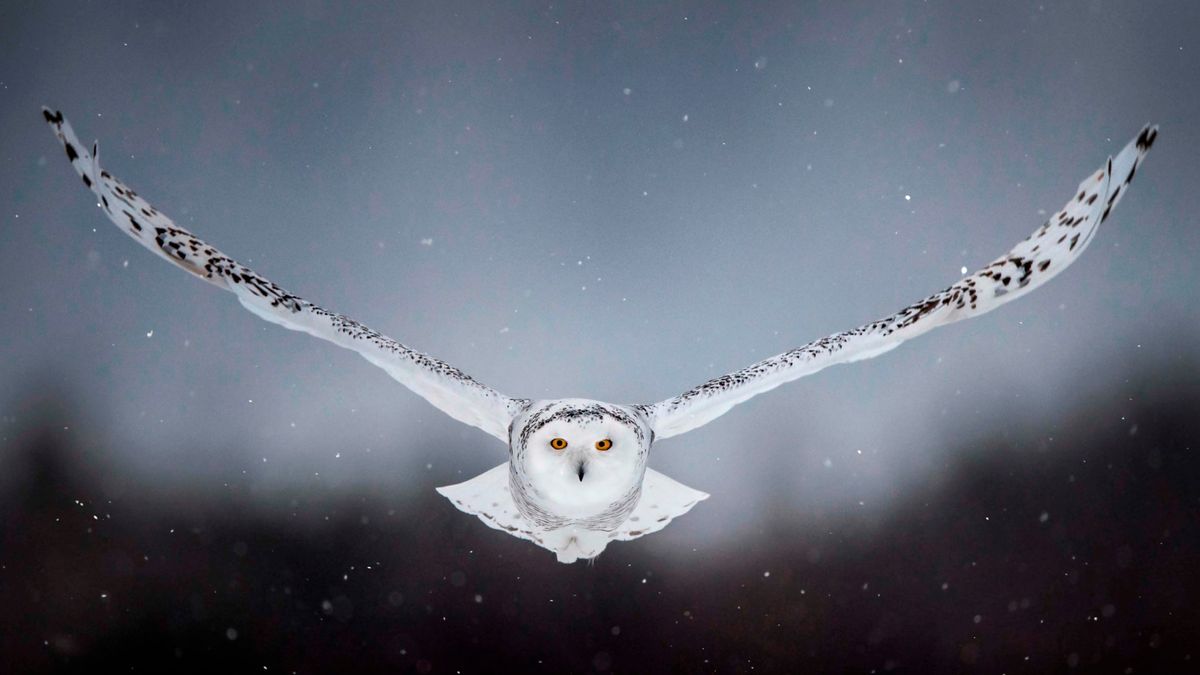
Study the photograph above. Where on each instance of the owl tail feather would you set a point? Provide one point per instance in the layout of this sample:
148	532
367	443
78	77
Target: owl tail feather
487	496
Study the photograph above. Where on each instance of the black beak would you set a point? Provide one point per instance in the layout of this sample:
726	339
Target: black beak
580	472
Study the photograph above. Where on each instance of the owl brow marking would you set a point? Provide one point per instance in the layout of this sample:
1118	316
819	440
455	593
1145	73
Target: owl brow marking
594	412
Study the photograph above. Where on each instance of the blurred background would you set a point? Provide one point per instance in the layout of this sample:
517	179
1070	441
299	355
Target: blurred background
613	201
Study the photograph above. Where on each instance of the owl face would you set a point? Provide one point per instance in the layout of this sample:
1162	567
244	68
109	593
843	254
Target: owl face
577	457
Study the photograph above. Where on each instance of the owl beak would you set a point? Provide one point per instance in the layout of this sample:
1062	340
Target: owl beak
581	469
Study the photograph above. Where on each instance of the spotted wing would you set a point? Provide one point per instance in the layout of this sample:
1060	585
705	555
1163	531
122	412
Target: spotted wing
1043	254
441	384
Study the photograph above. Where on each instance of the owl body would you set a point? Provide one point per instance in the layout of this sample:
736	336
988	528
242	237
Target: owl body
576	479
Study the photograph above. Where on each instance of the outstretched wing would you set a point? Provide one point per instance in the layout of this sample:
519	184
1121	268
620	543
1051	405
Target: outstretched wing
438	382
1028	265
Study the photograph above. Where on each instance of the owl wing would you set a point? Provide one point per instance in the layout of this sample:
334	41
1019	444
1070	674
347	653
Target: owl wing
1042	255
443	385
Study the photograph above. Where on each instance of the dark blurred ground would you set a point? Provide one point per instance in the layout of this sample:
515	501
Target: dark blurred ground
1054	549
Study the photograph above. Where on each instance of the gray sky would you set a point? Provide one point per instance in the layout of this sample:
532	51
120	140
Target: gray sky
612	201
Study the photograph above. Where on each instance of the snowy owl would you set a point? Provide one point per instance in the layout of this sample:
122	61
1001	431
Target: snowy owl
577	478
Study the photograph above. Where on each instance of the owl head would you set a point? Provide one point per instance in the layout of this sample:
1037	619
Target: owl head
579	457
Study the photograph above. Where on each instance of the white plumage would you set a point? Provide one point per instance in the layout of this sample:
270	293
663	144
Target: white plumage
577	478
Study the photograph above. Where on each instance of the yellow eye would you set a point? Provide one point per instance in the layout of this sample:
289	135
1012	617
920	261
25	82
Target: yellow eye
603	445
558	443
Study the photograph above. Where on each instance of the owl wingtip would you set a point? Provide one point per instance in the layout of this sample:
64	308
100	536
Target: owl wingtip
1147	137
52	116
